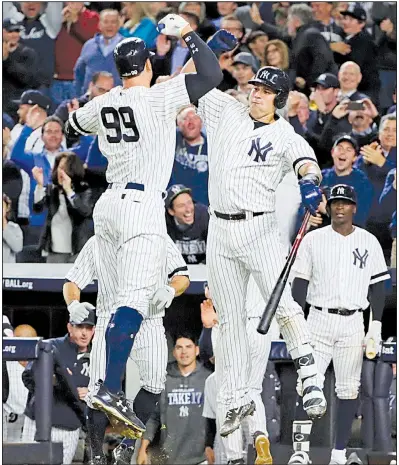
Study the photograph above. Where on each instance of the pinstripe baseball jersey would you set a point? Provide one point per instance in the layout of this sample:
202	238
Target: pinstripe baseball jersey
136	130
85	270
340	268
246	163
18	394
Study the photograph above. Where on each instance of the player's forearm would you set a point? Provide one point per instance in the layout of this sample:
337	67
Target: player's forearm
70	292
299	290
210	432
311	170
208	74
377	299
179	284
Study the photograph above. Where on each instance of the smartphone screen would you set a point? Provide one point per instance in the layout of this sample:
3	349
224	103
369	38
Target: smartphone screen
354	106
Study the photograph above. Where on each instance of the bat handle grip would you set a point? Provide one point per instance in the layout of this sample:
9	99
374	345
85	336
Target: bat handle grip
371	349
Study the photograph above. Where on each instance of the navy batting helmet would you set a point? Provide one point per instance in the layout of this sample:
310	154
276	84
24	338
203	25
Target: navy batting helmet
342	191
130	56
277	80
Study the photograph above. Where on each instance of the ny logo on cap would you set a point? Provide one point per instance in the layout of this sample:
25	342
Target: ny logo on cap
265	74
341	191
176	189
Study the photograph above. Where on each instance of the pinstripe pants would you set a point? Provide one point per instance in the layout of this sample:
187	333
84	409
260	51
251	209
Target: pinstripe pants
150	353
69	439
236	249
260	346
340	339
131	232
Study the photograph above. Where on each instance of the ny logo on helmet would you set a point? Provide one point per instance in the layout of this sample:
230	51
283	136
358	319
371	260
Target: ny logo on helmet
341	191
268	76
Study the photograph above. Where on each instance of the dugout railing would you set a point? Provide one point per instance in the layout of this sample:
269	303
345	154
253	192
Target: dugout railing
44	451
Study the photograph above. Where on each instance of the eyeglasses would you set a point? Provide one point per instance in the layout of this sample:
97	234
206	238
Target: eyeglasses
101	89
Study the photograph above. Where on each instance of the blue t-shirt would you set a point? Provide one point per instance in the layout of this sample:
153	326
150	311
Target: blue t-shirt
191	168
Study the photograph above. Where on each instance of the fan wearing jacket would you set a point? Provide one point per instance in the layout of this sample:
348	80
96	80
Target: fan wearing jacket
68	201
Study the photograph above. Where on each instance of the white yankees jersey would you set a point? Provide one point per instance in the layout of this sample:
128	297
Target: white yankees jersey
340	268
136	130
247	164
86	268
18	393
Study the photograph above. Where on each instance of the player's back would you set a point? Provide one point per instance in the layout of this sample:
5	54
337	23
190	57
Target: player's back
136	130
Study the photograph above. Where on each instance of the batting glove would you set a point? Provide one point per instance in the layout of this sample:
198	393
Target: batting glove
222	41
172	25
311	195
373	336
79	311
163	297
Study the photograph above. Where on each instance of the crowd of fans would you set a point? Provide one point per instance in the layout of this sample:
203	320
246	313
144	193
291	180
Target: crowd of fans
341	58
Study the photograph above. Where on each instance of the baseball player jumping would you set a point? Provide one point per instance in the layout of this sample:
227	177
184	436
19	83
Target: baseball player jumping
338	271
254	425
137	134
249	152
150	351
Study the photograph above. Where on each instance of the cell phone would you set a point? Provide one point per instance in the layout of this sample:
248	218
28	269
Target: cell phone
354	106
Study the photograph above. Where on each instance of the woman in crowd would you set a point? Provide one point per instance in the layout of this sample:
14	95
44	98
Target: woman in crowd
12	233
140	21
69	203
276	54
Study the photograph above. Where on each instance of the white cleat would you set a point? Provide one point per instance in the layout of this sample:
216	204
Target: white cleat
338	457
300	457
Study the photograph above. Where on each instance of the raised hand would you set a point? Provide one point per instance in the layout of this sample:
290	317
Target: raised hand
173	25
38	175
222	41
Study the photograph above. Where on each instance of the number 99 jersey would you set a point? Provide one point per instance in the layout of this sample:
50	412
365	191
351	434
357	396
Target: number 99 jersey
136	130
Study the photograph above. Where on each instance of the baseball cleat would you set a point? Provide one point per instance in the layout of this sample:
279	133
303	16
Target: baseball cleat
122	455
234	418
262	447
124	429
314	402
99	460
300	457
354	459
117	407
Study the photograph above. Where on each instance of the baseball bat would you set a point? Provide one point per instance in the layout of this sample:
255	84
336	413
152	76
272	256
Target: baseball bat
371	349
277	292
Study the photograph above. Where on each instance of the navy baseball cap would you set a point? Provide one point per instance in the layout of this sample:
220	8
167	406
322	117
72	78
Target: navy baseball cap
247	59
327	80
10	25
34	97
173	192
90	320
342	191
346	138
356	11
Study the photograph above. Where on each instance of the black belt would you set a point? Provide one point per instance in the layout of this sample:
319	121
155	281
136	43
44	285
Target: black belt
130	185
235	216
340	311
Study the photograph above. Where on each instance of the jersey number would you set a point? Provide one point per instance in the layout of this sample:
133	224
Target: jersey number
115	117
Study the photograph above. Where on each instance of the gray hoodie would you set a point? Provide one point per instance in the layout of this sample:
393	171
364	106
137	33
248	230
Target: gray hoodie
179	415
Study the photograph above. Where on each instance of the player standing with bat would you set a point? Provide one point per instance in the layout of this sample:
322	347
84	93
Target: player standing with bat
250	150
339	270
